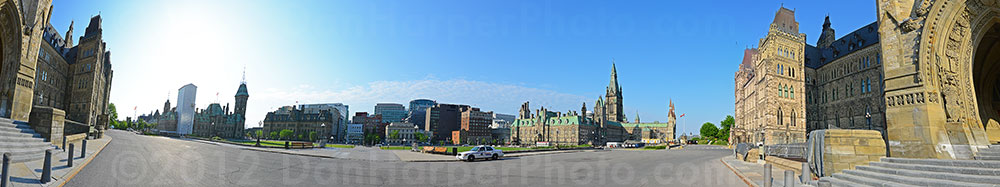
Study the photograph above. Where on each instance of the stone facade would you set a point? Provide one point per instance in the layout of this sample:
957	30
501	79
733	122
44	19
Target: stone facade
919	74
73	78
302	123
606	124
768	109
475	127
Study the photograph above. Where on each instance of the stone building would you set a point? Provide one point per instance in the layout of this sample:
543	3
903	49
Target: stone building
72	77
371	124
21	31
405	133
215	120
766	82
302	123
605	124
922	74
339	131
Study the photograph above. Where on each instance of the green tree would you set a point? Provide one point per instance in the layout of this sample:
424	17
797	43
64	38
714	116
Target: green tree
112	112
420	137
274	135
301	137
259	133
726	125
312	136
286	134
394	134
709	130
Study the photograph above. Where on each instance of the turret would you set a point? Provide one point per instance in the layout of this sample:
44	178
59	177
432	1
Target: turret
827	37
69	35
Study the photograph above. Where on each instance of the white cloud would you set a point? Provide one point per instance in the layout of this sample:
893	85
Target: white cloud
502	98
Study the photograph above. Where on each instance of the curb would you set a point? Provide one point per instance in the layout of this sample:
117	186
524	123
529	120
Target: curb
738	173
85	163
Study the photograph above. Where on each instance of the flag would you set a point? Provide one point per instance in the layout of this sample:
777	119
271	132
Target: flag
682	115
135	108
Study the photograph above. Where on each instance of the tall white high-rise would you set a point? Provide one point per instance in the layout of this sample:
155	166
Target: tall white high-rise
185	108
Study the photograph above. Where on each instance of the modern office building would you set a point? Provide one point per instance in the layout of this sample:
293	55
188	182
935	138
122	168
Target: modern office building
186	109
418	109
355	133
444	118
391	112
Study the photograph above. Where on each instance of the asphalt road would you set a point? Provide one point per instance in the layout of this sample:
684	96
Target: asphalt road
133	160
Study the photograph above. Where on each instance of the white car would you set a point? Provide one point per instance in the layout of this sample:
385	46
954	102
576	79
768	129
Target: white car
480	152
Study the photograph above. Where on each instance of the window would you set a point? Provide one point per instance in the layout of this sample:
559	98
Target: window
792	92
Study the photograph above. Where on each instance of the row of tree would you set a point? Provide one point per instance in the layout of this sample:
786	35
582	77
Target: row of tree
711	132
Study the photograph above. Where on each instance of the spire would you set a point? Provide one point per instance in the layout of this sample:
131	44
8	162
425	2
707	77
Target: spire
637	116
613	87
69	34
244	80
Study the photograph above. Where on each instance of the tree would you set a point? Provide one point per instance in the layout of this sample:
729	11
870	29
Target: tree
394	134
286	134
709	130
726	125
312	136
274	135
259	133
420	137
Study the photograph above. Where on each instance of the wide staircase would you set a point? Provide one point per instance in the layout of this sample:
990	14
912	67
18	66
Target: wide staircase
923	172
21	141
993	153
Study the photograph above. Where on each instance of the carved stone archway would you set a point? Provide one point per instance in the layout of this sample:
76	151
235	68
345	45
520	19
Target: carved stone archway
928	47
10	50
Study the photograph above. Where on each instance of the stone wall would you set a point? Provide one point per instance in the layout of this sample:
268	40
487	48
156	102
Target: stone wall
845	149
49	122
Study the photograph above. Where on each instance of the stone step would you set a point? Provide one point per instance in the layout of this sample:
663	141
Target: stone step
18	134
944	169
865	181
6	144
21	139
908	180
987	157
839	182
933	175
941	162
995	146
24	129
23	155
988	153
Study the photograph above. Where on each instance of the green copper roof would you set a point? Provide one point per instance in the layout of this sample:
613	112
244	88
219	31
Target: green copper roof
242	91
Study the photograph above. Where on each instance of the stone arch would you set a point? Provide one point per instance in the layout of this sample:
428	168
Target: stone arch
10	50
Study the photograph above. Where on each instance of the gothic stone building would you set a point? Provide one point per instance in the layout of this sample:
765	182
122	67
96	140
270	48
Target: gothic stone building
215	120
606	124
72	77
302	122
923	74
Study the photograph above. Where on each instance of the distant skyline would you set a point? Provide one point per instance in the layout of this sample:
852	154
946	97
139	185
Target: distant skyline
494	55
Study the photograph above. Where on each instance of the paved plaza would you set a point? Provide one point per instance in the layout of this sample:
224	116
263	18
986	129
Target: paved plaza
134	160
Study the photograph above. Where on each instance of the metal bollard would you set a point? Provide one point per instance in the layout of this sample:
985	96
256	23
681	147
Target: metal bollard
823	183
286	145
47	167
64	144
789	178
806	173
83	149
454	151
767	175
69	157
4	171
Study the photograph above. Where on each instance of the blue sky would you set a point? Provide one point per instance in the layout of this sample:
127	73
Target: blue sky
490	54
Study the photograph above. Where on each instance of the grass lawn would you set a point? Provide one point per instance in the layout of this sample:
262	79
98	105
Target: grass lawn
262	142
340	146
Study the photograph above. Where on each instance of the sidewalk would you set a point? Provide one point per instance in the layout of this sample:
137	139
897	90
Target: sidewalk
753	173
28	173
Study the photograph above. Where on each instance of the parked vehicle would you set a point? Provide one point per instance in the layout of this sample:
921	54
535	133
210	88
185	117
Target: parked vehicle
480	152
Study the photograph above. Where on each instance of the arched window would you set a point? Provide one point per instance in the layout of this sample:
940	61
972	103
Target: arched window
792	92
